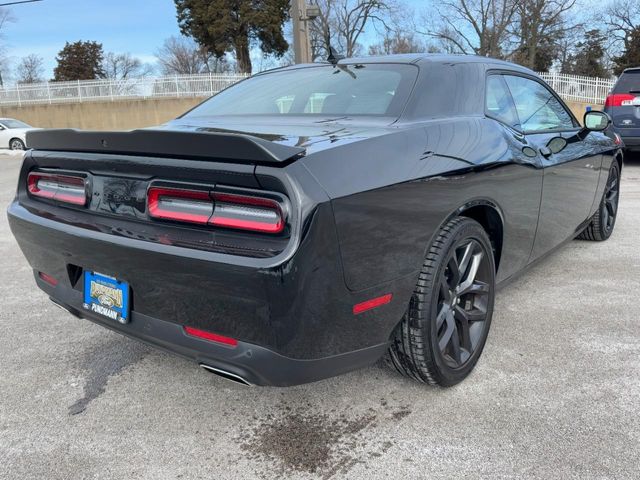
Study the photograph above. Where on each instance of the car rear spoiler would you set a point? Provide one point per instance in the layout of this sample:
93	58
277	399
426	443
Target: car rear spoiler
166	143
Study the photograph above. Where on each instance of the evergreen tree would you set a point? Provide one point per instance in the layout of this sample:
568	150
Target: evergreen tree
221	26
79	61
631	55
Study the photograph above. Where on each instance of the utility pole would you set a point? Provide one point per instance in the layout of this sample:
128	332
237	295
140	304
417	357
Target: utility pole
301	15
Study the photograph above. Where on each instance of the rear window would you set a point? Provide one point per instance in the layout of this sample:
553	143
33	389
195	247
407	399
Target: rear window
354	89
628	82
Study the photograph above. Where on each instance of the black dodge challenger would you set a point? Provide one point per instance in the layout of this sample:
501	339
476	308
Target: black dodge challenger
309	220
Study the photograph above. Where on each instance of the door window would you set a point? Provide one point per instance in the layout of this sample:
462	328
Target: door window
538	108
499	104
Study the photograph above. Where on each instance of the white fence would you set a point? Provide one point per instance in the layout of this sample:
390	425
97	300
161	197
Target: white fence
203	85
570	87
580	89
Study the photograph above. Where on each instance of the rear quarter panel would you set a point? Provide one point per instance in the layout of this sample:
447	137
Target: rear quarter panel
390	195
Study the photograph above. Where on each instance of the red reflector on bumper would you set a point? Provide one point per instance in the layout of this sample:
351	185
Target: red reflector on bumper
212	337
373	303
48	279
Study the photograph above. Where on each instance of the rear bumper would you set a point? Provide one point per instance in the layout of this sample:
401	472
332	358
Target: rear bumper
294	321
631	143
254	364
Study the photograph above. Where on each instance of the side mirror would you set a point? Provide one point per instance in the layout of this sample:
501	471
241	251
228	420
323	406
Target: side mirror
595	121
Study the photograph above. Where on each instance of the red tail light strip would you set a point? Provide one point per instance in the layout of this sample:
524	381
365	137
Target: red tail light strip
220	209
373	303
192	206
247	213
62	188
212	337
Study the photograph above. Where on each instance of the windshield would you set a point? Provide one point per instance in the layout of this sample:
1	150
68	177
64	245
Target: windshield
10	123
357	89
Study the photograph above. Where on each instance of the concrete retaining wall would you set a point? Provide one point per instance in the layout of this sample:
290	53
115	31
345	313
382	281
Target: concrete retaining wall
125	115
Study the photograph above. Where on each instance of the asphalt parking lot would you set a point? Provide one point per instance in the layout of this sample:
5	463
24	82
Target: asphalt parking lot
555	395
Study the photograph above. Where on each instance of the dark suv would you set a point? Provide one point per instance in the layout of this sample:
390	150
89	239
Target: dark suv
623	105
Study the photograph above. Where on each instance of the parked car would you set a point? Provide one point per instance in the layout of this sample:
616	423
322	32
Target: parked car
306	221
13	133
623	105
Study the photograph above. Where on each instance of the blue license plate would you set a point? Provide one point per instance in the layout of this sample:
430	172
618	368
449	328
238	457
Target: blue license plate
106	296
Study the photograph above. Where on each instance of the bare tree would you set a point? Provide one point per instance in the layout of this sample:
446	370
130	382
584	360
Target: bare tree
538	30
342	23
121	66
479	27
182	56
30	69
622	18
397	42
5	17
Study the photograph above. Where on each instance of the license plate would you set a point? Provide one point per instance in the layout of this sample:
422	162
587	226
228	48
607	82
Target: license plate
106	296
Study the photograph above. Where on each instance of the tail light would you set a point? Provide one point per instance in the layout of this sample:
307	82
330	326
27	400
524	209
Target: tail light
619	100
194	206
247	213
62	188
229	210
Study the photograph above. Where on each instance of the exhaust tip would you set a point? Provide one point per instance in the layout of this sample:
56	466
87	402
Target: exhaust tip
226	375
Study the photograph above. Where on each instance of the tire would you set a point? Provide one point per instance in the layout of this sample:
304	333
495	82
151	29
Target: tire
602	223
433	312
16	144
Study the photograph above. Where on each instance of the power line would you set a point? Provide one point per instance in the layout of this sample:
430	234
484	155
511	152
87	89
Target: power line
16	3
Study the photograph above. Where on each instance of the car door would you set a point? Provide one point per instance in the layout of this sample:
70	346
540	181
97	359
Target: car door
571	165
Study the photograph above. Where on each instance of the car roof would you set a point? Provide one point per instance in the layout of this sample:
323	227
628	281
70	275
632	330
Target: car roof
424	59
632	69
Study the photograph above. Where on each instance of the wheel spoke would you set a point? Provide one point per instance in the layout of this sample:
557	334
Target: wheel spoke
442	315
445	291
448	333
471	276
456	354
476	288
466	257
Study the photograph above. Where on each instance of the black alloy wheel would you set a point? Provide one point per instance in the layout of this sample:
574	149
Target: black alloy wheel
444	331
602	223
462	303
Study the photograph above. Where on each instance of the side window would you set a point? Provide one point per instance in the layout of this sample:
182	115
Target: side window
538	109
498	101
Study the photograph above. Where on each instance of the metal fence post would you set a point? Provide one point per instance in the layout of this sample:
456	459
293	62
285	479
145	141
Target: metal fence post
49	93
79	92
177	87
18	91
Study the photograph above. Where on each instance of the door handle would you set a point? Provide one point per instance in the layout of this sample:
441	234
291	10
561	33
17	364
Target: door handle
545	152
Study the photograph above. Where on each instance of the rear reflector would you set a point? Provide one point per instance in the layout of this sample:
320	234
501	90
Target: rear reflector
227	210
62	188
619	100
212	337
373	303
48	279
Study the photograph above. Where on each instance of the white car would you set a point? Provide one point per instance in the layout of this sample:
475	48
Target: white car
13	133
